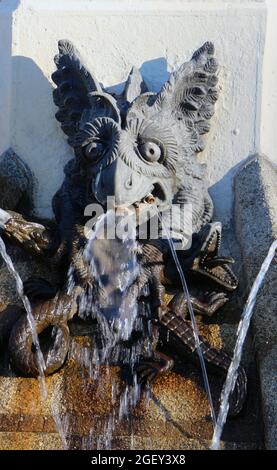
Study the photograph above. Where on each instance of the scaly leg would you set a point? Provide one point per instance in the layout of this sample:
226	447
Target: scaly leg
207	307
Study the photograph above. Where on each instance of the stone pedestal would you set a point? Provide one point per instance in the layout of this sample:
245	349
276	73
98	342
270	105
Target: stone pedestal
176	417
256	225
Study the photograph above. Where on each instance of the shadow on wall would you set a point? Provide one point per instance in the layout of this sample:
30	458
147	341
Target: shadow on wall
222	190
154	72
36	135
32	101
33	106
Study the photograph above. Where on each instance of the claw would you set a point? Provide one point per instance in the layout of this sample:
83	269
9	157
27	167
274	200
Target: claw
148	371
215	301
33	235
214	297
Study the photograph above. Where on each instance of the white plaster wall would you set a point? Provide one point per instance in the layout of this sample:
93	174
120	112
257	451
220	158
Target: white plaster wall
6	21
269	90
114	35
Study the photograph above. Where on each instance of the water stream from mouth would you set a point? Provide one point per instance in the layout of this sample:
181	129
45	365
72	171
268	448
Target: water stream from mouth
111	299
192	317
111	257
30	317
241	335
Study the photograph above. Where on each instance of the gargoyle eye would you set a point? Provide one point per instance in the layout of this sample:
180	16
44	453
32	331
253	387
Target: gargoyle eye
150	151
94	151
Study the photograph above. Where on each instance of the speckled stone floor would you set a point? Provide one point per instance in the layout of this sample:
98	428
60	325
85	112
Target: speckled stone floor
176	417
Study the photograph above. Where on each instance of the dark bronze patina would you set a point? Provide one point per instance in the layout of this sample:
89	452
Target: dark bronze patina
141	148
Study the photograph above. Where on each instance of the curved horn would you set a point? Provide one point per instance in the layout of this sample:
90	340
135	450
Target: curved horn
103	105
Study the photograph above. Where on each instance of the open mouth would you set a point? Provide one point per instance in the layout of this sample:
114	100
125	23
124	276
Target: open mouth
155	197
214	266
220	272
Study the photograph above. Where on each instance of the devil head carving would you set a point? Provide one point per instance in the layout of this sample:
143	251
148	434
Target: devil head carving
140	143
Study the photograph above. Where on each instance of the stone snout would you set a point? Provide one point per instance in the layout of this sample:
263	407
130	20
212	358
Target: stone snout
127	186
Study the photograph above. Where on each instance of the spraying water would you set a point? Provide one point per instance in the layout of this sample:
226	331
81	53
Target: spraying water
192	316
241	335
30	318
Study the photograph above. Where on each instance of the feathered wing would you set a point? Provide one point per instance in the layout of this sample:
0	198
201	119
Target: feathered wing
74	83
78	95
81	102
189	97
191	93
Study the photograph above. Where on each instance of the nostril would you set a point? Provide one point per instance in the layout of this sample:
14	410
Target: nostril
128	183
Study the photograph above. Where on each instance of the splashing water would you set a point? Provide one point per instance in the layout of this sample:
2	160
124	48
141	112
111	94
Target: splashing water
114	269
30	318
241	335
111	299
192	317
61	423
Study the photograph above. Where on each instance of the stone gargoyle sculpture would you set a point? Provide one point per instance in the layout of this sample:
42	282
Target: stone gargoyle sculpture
141	148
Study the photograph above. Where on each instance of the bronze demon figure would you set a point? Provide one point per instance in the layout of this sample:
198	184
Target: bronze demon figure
141	148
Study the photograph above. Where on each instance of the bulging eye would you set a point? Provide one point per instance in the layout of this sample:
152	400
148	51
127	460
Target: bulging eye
94	151
150	151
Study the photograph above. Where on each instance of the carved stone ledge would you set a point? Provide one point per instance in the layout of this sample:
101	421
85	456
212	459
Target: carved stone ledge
16	183
256	227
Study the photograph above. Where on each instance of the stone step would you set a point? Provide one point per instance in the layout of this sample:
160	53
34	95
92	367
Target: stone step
176	417
52	441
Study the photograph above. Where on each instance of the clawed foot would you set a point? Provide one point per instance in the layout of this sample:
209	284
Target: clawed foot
32	235
149	370
214	302
37	288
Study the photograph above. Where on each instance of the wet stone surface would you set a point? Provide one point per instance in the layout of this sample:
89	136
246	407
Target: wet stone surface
175	417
